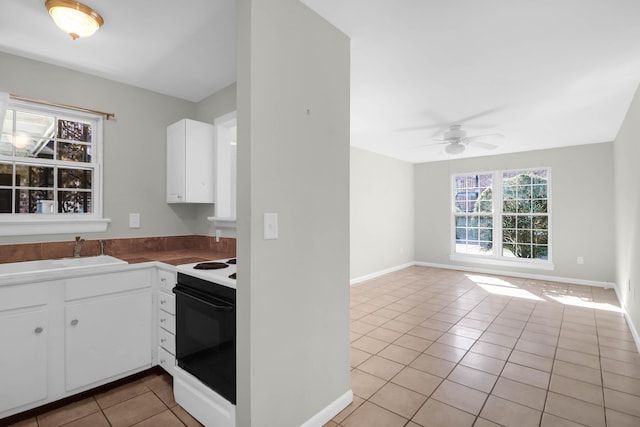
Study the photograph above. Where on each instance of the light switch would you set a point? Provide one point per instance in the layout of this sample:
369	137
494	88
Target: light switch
270	226
134	220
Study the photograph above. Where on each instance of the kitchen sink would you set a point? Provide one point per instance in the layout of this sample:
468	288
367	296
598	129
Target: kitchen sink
58	264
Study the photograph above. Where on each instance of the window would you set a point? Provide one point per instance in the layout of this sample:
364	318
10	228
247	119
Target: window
50	161
502	216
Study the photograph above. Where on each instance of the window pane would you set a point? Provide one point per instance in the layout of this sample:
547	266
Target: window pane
540	237
74	178
539	191
523	236
6	147
509	206
7	125
27	146
523	251
540	222
486	206
524	222
524	193
486	221
74	152
541	252
36	125
74	202
75	131
523	206
28	199
508	221
6	201
6	174
34	176
508	250
539	206
461	233
485	235
461	221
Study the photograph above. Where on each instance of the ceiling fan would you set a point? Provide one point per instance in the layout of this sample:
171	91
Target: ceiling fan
456	140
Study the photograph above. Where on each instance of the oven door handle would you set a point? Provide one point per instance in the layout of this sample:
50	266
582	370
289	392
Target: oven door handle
226	307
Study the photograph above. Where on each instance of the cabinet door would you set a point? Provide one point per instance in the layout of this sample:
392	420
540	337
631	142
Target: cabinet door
23	359
176	162
107	337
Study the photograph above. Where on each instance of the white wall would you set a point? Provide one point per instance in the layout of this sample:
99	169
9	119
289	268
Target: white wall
382	213
293	159
134	144
627	202
582	208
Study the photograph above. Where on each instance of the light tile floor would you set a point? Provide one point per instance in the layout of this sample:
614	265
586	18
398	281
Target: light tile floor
144	402
435	347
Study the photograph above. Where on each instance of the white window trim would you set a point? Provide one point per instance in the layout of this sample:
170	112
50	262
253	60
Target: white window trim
497	259
34	224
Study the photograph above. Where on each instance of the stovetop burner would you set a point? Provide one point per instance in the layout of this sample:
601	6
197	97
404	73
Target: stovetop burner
210	265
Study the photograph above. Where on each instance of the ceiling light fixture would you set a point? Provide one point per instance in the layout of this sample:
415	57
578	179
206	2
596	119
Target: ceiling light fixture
74	18
454	148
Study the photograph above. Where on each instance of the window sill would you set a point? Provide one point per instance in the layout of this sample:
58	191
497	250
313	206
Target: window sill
37	225
516	263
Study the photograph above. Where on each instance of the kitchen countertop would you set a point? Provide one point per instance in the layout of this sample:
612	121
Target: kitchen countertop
175	257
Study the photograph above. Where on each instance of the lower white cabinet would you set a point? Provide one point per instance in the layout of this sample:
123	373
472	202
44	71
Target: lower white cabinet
23	360
62	337
106	337
166	321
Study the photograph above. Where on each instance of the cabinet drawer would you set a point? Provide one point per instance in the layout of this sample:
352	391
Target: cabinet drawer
22	296
104	284
167	341
167	321
167	280
167	302
166	360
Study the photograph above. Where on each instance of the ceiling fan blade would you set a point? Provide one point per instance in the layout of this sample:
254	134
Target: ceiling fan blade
479	138
479	114
429	145
485	145
416	128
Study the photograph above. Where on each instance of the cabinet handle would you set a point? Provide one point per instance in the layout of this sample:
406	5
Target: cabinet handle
162	320
38	330
163	301
74	322
163	279
163	339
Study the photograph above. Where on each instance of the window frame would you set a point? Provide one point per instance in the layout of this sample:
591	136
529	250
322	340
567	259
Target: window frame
16	224
496	258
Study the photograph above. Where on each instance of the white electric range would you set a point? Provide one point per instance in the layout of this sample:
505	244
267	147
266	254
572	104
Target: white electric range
223	276
204	380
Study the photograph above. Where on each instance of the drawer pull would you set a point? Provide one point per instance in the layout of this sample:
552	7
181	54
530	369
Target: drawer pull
163	320
74	322
163	279
163	301
38	330
163	340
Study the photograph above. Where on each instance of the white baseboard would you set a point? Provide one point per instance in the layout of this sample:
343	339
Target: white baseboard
632	327
334	408
571	280
380	273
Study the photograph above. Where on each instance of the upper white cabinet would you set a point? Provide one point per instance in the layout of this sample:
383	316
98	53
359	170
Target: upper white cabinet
190	157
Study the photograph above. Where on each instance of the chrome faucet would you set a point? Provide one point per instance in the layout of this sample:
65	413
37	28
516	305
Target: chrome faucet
77	247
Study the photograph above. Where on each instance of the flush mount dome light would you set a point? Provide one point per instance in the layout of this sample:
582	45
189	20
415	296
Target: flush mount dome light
74	18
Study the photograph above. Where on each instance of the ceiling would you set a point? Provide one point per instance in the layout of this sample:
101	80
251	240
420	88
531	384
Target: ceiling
541	73
185	48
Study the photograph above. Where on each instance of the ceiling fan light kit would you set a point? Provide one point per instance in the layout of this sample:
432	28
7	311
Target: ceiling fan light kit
454	148
75	19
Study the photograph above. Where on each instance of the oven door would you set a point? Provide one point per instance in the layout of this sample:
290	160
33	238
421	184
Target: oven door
206	339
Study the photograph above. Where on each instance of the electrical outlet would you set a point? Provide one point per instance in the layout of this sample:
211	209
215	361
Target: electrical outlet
580	260
134	220
218	234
